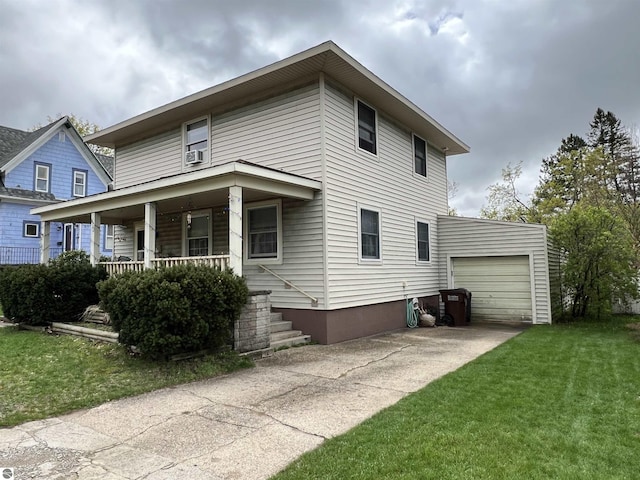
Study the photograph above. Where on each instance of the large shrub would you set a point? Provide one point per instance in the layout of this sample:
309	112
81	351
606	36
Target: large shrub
57	292
174	310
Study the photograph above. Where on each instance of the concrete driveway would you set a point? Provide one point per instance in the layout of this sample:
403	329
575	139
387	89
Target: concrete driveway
247	425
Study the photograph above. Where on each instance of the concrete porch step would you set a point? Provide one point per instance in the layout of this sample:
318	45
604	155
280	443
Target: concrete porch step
289	339
280	326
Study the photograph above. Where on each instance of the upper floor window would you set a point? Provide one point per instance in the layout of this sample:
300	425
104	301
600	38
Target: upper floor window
422	234
367	128
369	234
420	155
196	134
264	231
41	181
79	183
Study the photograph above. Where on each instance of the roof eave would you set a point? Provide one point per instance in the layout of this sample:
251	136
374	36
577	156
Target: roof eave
325	58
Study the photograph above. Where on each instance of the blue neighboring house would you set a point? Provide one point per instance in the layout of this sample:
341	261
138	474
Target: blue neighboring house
49	165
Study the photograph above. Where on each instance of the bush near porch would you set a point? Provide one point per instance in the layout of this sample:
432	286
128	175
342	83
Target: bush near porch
174	310
56	292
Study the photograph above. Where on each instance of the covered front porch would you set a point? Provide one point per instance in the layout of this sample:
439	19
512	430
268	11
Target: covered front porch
221	216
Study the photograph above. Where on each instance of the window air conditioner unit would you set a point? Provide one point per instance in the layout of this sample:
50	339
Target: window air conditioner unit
193	156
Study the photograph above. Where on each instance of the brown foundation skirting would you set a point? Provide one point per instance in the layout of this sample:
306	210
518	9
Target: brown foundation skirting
333	326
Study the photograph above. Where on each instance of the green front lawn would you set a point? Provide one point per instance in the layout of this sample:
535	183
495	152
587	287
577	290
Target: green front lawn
556	402
43	375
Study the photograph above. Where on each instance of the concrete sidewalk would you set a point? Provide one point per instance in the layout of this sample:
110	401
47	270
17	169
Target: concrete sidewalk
247	425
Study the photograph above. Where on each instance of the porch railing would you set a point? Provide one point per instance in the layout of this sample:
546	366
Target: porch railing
22	255
219	261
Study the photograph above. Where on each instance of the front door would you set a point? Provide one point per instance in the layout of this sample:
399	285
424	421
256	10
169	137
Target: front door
68	241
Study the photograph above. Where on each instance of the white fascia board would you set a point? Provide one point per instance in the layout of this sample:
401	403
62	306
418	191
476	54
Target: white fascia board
216	178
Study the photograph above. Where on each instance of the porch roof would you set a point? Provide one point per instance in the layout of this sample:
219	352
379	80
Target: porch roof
199	189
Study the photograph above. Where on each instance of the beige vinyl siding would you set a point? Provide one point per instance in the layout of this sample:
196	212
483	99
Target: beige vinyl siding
282	133
471	237
155	157
302	257
385	183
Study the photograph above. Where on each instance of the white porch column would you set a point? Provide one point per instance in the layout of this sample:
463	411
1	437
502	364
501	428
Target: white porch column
149	234
235	229
94	250
45	241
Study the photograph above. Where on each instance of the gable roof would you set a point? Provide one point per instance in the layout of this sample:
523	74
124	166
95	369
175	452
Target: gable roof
16	145
13	141
326	58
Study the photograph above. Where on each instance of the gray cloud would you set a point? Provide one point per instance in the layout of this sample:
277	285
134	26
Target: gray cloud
509	78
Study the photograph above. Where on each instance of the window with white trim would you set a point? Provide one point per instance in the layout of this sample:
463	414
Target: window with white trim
197	233
369	229
79	183
30	229
109	236
263	224
196	135
41	181
420	156
367	130
422	241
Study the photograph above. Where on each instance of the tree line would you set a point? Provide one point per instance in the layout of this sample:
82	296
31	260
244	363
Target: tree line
589	196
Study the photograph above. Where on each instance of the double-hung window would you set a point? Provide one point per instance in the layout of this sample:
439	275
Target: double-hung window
367	128
42	176
197	233
369	223
109	237
422	241
196	134
264	232
420	155
79	183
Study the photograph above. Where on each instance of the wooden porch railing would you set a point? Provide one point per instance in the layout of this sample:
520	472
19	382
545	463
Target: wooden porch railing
219	261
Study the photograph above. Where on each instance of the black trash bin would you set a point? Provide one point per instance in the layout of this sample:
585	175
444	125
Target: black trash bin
457	307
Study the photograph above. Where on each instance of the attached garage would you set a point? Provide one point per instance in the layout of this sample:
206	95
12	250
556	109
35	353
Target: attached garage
504	265
500	286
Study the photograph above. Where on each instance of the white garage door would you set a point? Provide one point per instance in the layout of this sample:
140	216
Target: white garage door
500	286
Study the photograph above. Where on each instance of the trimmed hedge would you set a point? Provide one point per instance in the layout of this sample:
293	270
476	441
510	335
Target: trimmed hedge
56	292
174	310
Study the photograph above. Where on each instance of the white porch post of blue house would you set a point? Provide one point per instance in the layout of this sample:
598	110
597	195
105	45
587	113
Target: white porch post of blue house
45	241
149	234
235	229
94	250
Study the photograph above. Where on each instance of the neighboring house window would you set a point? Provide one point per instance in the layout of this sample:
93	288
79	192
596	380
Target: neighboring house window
420	155
369	234
196	134
263	227
422	234
41	181
197	233
139	244
109	237
30	229
79	183
366	128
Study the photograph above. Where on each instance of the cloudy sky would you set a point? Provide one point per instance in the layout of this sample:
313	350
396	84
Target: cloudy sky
510	78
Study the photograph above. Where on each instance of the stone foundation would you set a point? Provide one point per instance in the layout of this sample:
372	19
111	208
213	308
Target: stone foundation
252	331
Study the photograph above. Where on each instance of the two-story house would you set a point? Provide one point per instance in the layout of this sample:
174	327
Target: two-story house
315	180
44	167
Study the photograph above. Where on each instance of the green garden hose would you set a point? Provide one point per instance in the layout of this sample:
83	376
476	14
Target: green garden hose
412	314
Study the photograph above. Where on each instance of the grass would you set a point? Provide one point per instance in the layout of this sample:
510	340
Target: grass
43	375
559	402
